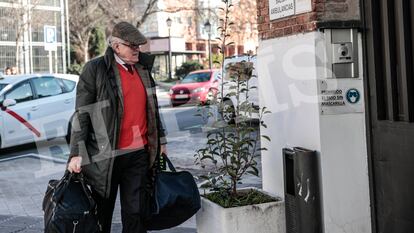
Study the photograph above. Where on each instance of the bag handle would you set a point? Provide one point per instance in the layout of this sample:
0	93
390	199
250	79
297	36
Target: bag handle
65	181
170	165
86	189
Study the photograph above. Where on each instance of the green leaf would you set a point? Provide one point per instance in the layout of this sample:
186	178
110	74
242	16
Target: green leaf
266	137
206	186
206	157
253	173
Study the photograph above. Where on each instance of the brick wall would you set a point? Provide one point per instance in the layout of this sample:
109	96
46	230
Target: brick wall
322	11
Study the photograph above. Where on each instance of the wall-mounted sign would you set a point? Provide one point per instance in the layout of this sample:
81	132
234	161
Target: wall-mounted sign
281	8
50	38
340	96
302	6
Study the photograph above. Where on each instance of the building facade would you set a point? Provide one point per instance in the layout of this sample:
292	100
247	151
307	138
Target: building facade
338	78
23	41
189	38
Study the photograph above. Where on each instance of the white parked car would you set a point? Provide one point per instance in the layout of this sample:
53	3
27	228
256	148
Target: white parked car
252	95
35	107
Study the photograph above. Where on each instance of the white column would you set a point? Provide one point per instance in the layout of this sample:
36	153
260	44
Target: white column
63	33
26	40
289	70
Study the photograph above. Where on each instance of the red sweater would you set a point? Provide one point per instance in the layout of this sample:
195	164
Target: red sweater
133	133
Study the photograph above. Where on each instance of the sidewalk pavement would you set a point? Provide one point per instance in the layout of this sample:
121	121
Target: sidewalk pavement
23	181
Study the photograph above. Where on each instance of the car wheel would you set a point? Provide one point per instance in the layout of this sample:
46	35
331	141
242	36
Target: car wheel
228	112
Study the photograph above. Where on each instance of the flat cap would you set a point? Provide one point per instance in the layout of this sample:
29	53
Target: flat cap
129	33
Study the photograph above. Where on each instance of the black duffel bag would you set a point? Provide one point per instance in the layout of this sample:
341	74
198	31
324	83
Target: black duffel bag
68	206
175	198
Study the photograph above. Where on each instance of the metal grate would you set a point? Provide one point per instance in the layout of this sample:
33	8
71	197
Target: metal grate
291	214
394	29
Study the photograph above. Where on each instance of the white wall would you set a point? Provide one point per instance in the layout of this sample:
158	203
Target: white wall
288	89
288	71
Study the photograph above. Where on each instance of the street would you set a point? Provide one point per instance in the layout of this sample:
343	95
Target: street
26	170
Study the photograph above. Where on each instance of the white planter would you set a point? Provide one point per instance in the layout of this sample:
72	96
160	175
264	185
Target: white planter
260	218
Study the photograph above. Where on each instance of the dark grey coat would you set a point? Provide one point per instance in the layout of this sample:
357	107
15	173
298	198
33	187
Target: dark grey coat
98	115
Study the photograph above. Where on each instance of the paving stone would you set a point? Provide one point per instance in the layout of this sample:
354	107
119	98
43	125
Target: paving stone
30	231
9	229
179	230
23	183
16	209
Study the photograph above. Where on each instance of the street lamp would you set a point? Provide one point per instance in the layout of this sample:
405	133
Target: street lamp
169	23
207	27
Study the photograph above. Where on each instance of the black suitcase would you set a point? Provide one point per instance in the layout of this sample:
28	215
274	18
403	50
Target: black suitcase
68	206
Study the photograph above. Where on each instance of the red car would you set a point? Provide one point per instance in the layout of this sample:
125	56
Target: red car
199	86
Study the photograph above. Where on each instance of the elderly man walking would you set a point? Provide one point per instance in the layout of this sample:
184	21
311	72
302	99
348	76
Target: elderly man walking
116	131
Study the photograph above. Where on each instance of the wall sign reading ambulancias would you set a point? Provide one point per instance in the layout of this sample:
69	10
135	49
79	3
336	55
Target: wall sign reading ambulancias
283	8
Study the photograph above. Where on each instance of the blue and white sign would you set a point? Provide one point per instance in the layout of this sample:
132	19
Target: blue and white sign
353	96
340	96
50	38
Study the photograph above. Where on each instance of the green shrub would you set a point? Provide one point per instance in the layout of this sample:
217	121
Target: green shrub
186	68
97	43
75	68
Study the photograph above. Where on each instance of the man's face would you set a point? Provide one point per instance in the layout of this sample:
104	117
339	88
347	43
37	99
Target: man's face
127	52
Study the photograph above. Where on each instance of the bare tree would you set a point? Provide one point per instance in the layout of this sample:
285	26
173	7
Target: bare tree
85	15
133	11
137	12
244	16
88	14
18	15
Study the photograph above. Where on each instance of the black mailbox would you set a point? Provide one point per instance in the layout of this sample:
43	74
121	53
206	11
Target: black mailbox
302	191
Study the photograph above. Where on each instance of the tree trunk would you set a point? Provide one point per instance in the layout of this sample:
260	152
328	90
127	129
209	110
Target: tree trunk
234	187
17	57
86	51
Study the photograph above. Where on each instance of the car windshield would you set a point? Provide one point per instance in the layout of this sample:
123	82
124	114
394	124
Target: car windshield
197	78
3	85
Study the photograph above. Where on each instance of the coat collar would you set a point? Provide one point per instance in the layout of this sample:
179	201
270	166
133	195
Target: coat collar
145	60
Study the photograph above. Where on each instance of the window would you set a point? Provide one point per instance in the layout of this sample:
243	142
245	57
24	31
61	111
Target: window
21	93
7	55
46	86
197	78
68	85
189	21
3	85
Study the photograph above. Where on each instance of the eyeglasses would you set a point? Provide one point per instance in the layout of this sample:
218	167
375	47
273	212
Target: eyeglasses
131	46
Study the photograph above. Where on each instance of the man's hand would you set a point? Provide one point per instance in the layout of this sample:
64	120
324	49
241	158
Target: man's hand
163	149
75	164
